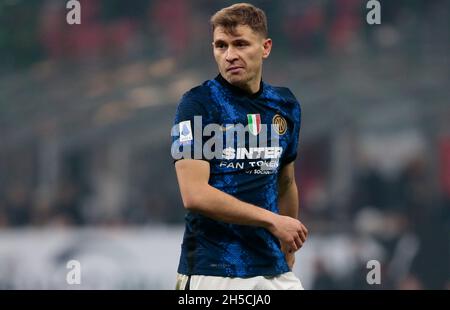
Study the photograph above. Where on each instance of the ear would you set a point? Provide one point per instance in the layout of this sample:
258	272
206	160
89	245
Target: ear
267	46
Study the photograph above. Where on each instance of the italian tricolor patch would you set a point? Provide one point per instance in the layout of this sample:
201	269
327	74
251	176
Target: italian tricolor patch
254	123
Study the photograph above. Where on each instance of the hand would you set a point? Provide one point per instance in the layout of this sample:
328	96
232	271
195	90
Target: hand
288	255
289	231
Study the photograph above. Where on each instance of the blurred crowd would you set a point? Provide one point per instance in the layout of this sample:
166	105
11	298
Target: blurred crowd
37	30
405	216
86	111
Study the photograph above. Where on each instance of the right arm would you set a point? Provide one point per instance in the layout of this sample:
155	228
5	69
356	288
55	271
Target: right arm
200	197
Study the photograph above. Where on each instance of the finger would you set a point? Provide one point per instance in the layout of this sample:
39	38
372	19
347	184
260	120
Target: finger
293	246
292	262
285	248
298	242
305	230
302	236
290	259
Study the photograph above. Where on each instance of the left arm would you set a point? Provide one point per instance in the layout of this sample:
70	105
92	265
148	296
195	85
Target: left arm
288	205
287	192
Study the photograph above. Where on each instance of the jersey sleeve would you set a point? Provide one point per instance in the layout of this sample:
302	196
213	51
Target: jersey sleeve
291	150
190	120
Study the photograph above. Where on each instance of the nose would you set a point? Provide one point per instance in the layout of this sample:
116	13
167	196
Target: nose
231	55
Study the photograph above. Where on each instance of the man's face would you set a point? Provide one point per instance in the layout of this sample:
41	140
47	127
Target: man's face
239	56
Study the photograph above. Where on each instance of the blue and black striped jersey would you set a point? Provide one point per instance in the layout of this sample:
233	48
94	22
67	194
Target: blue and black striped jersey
247	172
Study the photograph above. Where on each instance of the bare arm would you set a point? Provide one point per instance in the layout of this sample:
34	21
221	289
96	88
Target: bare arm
288	205
198	196
287	192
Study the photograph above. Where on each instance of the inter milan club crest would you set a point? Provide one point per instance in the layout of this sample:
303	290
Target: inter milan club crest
254	123
279	124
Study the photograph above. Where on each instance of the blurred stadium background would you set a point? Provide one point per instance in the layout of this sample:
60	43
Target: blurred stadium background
85	118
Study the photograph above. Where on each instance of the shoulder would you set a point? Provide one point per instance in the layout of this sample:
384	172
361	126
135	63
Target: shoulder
198	93
290	102
197	102
195	99
286	94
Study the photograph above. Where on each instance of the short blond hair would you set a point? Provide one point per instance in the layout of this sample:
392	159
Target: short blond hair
241	14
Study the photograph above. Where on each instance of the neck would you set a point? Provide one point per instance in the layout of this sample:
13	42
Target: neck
252	86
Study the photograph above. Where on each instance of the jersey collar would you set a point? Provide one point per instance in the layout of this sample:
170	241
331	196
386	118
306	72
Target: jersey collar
238	91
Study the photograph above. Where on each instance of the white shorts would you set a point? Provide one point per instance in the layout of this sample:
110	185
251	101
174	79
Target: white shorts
285	281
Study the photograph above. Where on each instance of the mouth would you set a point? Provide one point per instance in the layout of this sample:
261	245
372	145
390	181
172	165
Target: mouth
234	69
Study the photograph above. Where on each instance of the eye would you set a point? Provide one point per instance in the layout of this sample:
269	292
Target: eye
220	45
